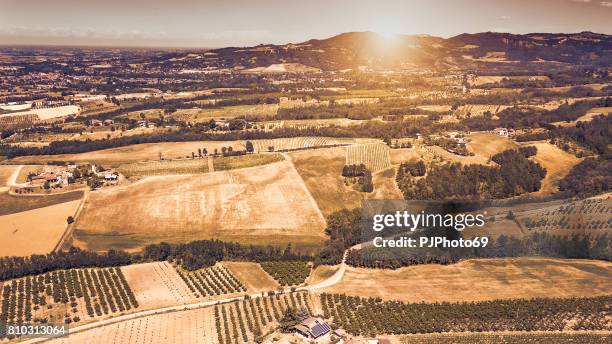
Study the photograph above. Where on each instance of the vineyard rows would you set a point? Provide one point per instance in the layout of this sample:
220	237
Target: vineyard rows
163	167
60	296
375	156
10	121
213	281
369	316
287	272
296	143
245	321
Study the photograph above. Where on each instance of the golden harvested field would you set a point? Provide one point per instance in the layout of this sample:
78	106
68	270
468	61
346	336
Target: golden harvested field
486	145
252	275
481	279
244	161
157	284
190	326
34	231
375	156
400	155
297	143
124	155
557	162
266	204
54	112
385	186
321	170
204	115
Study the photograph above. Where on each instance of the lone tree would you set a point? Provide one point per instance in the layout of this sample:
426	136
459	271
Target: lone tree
290	318
249	147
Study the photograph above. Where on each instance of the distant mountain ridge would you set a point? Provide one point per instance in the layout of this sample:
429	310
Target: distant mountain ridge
371	50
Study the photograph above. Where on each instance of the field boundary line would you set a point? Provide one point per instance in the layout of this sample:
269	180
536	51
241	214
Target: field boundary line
70	227
312	200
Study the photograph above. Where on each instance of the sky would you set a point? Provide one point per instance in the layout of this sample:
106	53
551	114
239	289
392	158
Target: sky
221	23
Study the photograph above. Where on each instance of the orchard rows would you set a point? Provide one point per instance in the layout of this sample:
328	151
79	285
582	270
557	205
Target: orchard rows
287	272
56	296
369	316
509	338
212	281
246	321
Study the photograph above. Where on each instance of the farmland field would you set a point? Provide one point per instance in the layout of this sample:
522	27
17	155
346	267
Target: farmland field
481	279
375	156
204	115
190	326
12	204
265	204
252	275
211	282
50	113
362	316
34	231
141	152
592	337
164	167
557	162
321	170
241	322
478	110
486	144
67	296
195	166
576	216
296	143
287	272
157	285
243	161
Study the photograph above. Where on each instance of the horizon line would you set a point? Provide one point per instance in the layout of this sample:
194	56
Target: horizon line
198	47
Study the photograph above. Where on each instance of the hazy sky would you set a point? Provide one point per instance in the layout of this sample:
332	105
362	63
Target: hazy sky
216	23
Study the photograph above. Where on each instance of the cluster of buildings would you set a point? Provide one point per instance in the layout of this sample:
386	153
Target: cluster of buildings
98	123
56	177
316	330
505	132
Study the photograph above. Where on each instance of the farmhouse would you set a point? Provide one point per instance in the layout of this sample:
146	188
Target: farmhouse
505	132
313	328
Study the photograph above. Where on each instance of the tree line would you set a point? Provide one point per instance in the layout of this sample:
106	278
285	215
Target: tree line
192	256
